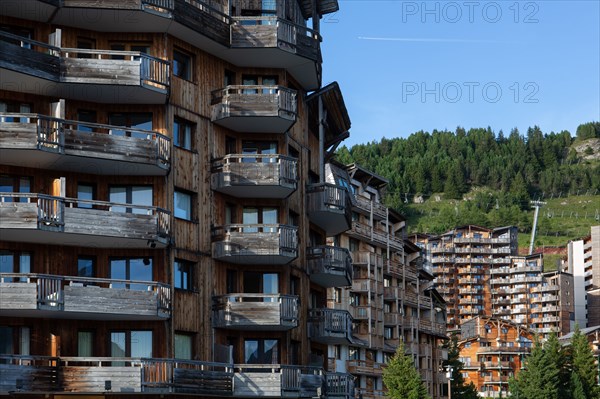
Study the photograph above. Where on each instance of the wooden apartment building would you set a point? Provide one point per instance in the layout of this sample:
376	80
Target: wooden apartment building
162	188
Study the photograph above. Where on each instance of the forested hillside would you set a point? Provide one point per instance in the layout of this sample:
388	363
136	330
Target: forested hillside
494	176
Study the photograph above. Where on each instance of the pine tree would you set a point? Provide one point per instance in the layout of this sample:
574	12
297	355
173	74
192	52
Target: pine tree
576	387
539	379
402	379
557	356
583	364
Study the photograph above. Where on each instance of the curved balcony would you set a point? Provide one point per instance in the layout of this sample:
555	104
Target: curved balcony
40	141
255	244
330	326
256	312
278	381
37	374
263	42
255	109
329	266
329	207
255	176
107	76
82	298
44	219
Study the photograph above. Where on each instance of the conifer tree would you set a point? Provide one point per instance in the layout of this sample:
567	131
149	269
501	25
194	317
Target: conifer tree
402	379
460	390
583	364
556	355
539	379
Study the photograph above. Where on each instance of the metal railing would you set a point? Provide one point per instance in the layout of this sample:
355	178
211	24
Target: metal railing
255	168
257	95
325	322
328	259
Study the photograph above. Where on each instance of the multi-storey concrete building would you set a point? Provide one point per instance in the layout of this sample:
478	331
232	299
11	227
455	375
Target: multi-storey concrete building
583	262
162	189
391	297
481	274
492	351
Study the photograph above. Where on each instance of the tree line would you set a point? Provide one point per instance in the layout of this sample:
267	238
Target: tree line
520	167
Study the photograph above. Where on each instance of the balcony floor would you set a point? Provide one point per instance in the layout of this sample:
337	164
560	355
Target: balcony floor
35	158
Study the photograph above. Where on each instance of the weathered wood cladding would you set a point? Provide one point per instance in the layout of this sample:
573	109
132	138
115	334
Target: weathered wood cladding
261	312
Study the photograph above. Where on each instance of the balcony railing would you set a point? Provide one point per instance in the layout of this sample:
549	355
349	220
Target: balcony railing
40	218
330	266
273	36
261	312
42	295
254	244
278	380
340	385
376	236
109	76
366	367
329	207
378	210
134	375
255	176
254	108
81	146
330	326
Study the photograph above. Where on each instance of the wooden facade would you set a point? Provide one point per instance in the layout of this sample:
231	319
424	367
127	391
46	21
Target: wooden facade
154	161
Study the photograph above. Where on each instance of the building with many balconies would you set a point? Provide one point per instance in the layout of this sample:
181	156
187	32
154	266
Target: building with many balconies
162	191
492	351
391	297
583	262
486	278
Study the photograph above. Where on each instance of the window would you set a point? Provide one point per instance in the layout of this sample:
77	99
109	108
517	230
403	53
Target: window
15	262
388	332
85	192
183	205
85	343
137	269
131	344
85	43
15	340
261	351
231	281
15	184
17	31
229	78
183	346
353	244
133	120
86	266
136	47
254	216
259	147
86	117
135	195
14	107
183	133
182	65
353	353
183	274
261	283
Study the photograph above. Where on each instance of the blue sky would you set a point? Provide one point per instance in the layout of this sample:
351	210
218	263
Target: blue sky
405	66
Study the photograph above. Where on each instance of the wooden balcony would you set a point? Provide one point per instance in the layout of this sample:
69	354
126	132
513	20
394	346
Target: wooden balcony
369	207
256	312
278	380
44	219
329	266
40	141
340	385
255	176
365	367
37	374
255	109
330	326
329	208
107	76
271	42
376	236
255	244
82	298
367	393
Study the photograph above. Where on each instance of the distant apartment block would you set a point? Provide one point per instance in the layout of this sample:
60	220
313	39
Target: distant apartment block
479	273
584	263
